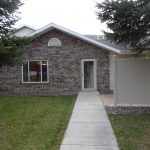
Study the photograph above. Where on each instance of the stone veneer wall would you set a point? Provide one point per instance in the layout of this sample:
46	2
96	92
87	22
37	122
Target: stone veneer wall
64	65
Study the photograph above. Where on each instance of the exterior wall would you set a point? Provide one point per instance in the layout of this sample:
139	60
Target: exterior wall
111	69
111	73
64	65
132	81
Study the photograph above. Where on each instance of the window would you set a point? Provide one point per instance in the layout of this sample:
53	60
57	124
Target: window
35	71
54	42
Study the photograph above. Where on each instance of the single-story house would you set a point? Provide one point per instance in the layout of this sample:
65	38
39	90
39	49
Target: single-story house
61	62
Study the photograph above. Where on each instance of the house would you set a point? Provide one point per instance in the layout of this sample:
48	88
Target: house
61	62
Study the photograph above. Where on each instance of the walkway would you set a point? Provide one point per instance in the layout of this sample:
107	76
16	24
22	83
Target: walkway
89	127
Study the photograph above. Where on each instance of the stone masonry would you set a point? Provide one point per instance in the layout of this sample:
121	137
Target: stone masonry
64	65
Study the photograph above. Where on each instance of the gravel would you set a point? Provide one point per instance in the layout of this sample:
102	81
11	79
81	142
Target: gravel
127	110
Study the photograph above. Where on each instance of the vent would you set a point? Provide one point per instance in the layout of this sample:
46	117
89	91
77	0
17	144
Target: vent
54	42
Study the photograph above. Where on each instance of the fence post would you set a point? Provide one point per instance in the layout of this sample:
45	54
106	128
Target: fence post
115	80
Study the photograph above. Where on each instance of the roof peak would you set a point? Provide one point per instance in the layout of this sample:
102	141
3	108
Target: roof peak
51	26
25	25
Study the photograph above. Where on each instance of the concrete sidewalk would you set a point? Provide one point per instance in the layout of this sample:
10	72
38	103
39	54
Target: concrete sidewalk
89	127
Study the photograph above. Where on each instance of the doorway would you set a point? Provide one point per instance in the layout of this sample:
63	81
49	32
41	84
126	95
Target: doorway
88	74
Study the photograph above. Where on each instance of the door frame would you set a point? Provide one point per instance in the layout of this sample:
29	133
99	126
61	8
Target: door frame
95	74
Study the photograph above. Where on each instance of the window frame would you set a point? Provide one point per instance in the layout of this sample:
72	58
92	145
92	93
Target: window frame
28	61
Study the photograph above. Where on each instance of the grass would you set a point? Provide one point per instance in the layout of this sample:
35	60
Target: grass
33	123
132	131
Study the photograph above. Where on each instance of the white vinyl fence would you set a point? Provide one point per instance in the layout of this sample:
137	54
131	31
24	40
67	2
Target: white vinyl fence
131	81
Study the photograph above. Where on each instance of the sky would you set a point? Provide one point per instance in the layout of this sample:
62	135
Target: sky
77	15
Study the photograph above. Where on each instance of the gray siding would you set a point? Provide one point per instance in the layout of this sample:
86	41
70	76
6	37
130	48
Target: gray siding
23	31
132	81
111	73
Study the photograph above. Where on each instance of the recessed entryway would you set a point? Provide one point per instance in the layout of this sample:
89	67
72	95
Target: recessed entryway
88	74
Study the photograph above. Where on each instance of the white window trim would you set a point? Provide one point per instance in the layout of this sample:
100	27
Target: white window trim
95	74
41	73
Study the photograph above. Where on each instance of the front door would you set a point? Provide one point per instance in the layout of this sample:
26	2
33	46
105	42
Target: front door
88	74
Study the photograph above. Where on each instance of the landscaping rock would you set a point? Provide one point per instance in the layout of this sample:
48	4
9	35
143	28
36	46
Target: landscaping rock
127	110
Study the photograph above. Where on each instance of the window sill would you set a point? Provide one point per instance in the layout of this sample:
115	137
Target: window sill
36	82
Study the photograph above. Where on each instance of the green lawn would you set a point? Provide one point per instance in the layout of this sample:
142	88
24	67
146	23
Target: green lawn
132	131
34	123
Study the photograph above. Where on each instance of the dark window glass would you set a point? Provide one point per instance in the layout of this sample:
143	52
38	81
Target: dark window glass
35	71
88	74
44	70
25	72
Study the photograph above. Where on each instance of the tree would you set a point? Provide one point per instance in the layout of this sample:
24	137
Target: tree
11	47
8	15
129	21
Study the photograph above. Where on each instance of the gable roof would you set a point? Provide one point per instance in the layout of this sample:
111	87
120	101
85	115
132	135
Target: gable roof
25	26
52	26
23	30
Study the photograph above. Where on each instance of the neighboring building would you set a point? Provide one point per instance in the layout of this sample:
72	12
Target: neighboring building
61	62
24	30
